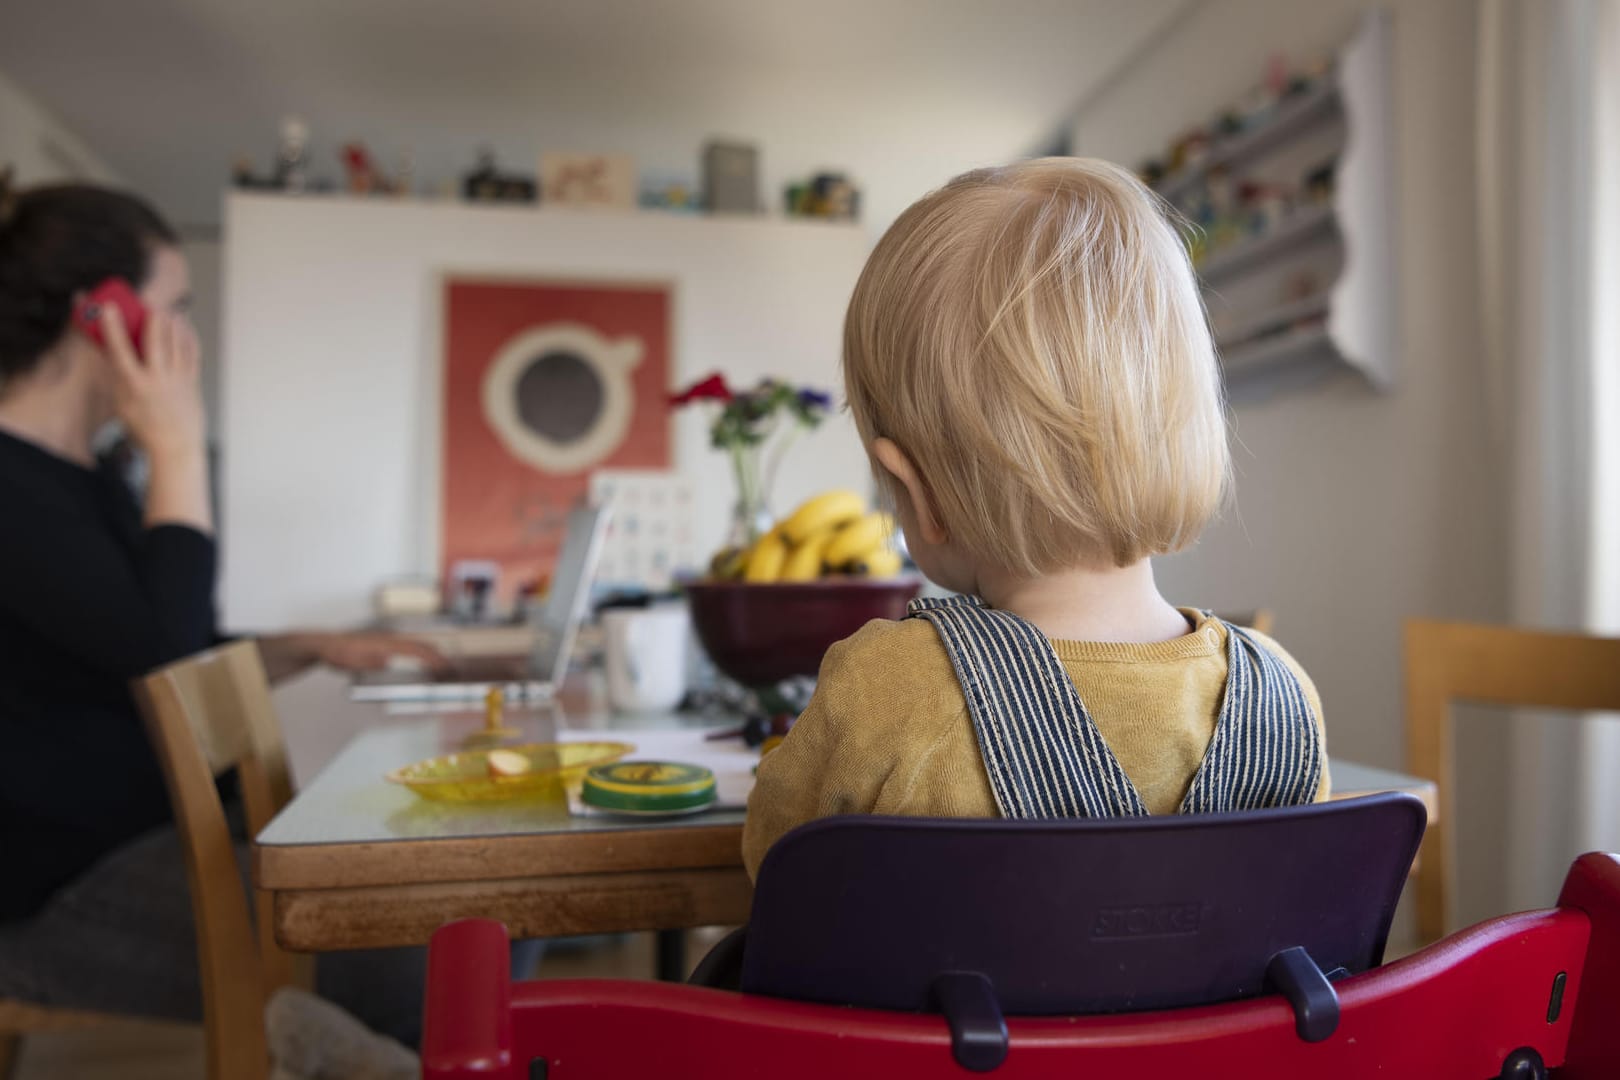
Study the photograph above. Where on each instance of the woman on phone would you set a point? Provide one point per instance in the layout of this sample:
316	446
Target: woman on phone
96	590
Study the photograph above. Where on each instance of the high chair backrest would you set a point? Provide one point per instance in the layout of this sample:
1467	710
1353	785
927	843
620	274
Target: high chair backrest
207	715
1076	916
1450	662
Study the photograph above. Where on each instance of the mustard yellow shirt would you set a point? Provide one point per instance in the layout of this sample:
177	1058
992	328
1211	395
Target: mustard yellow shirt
888	730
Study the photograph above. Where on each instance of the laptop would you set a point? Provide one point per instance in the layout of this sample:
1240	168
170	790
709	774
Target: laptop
555	624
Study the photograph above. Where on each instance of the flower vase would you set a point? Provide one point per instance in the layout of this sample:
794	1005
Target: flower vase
750	520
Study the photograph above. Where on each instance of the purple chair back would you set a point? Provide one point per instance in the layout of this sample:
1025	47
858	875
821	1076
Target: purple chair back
1078	916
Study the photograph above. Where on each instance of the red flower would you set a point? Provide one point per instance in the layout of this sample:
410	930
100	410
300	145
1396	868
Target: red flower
713	388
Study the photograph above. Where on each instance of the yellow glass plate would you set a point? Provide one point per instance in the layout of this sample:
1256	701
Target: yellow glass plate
465	777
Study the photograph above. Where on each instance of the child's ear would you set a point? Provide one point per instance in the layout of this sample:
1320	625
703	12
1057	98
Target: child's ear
894	459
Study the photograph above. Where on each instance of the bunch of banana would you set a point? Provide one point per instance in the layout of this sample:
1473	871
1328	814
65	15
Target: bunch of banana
833	533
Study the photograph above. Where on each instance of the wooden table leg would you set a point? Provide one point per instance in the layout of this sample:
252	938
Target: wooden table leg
672	955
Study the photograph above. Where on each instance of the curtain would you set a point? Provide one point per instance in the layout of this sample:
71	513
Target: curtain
1544	188
1598	816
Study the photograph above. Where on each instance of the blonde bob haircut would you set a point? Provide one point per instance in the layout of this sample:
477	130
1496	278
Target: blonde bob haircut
1032	337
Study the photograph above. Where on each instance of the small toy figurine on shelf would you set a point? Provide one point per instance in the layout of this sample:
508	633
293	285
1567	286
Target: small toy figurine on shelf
1319	183
1210	206
1269	205
292	156
364	177
598	181
1259	106
486	184
1189	150
1299	285
1313	73
836	196
1278	78
827	195
1195	148
670	194
290	172
242	175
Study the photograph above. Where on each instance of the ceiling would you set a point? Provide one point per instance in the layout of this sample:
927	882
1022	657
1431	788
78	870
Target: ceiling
900	93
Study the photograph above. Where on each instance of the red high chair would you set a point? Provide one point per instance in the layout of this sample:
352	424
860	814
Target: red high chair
933	928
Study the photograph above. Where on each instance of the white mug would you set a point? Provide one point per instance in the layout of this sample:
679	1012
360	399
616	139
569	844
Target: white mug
645	652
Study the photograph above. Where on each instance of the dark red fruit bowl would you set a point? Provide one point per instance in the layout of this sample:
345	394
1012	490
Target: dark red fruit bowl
762	634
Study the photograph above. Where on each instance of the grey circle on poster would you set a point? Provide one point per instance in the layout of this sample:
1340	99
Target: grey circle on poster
560	396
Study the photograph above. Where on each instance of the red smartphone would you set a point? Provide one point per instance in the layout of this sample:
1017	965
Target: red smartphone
118	292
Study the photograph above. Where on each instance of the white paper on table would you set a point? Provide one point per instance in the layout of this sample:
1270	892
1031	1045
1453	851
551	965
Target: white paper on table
731	760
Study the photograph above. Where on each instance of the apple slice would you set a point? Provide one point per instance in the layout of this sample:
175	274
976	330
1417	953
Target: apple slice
507	763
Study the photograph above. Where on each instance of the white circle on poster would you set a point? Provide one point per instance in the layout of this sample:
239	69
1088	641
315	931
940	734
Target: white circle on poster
559	396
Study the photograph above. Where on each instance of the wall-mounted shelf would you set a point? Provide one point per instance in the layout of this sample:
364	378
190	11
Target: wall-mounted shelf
1303	113
1305	226
1275	320
1268	353
1341	248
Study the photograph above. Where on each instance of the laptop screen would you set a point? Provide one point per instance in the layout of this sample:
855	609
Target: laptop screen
559	619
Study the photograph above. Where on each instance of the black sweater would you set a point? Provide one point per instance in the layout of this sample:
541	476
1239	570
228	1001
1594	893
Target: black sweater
89	599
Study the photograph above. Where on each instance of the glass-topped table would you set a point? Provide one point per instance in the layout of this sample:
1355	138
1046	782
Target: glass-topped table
350	802
357	862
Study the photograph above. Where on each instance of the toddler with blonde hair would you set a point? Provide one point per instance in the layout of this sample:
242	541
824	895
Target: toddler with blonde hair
1029	366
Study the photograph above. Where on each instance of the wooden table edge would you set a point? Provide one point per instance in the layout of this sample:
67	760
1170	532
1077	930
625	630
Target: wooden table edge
325	920
494	858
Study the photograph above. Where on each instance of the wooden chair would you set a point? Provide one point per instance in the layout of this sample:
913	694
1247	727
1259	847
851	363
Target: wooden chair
206	715
19	1019
1492	665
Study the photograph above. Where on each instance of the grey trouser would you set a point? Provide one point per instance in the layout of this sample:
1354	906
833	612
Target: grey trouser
119	939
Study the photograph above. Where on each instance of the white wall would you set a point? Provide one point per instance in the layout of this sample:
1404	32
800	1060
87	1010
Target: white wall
205	256
38	146
902	94
332	369
1355	509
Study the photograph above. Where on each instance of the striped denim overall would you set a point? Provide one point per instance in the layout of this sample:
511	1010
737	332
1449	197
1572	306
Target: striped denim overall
1046	758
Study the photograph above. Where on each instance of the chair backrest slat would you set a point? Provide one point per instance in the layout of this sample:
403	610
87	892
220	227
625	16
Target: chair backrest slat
212	711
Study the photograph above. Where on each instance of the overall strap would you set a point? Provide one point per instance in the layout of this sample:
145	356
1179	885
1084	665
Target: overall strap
1266	750
1044	755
